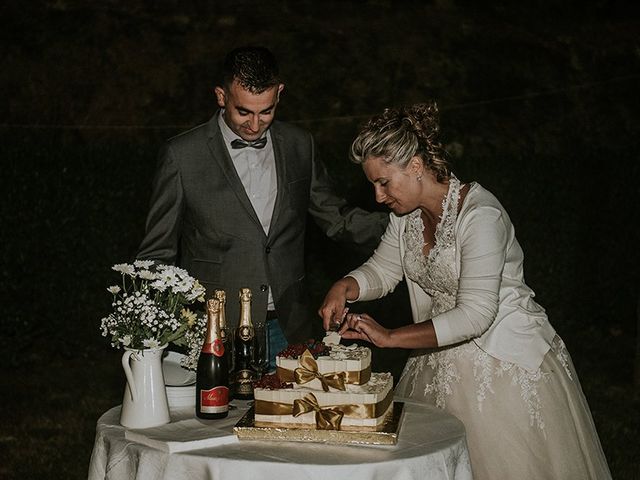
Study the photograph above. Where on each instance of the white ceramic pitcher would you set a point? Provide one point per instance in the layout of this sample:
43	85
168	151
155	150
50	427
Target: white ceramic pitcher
145	397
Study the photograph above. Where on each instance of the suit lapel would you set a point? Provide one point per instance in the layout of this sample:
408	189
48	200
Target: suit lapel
221	156
281	173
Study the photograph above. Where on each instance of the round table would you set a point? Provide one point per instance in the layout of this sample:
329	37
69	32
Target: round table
431	444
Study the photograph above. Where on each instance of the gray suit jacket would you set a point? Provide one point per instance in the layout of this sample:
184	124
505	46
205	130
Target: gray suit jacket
202	220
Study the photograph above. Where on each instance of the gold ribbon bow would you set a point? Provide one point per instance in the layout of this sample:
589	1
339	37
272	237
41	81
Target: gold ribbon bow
326	418
308	370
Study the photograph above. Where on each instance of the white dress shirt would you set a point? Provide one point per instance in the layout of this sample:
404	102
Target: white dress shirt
256	168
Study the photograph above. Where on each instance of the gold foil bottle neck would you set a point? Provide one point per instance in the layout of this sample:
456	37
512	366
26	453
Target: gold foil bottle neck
245	326
213	305
245	295
213	327
221	296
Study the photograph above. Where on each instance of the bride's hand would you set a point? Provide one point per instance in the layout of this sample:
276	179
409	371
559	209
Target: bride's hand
333	307
360	326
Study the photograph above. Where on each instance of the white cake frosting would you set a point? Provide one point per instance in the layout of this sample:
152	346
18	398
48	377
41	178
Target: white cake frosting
374	396
336	390
355	361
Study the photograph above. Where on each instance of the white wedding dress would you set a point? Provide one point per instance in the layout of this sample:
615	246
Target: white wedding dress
520	425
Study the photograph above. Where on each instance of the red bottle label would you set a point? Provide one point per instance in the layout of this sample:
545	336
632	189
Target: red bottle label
215	400
217	348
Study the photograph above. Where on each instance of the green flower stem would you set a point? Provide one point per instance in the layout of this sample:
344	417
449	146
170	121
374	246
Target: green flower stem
177	334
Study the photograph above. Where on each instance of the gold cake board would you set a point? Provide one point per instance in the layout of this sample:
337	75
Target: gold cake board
246	429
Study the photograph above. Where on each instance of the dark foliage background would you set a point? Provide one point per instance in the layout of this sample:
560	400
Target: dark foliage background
539	104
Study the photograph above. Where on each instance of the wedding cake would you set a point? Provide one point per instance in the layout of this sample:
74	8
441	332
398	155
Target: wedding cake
328	387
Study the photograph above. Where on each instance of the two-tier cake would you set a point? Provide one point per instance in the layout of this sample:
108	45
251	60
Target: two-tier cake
317	386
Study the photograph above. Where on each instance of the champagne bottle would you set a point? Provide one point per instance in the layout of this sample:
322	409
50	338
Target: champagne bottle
212	374
244	374
221	296
227	336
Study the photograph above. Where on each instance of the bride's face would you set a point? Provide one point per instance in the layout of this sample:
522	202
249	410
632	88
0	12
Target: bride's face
394	186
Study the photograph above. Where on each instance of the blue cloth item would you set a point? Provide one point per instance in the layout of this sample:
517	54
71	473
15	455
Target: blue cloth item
276	341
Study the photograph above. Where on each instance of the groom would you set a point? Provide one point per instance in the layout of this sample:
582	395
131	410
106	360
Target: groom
230	199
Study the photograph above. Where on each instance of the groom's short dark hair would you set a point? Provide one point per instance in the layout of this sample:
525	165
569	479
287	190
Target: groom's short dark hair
254	68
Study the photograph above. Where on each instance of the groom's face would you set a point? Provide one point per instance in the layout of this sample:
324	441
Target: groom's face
248	114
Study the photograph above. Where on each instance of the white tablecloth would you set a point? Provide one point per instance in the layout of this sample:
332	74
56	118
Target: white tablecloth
431	444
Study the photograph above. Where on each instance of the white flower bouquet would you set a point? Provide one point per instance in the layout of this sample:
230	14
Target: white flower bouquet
150	306
193	340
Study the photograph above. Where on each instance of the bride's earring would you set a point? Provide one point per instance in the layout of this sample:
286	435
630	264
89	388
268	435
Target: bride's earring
419	178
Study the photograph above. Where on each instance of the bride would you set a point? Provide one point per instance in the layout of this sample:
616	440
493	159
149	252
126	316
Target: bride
493	359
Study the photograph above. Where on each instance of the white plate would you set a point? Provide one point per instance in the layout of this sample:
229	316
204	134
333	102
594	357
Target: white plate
174	374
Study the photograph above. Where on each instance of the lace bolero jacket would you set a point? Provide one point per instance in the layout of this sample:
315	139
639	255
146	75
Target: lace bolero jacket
494	307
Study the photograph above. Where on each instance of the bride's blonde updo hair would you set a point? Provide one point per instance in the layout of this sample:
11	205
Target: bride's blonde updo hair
399	134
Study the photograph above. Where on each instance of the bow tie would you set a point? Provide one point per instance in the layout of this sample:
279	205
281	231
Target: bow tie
239	143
